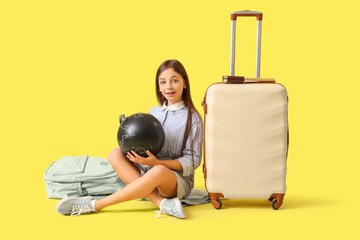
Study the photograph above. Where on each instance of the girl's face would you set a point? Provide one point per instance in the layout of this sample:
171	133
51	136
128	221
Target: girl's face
171	85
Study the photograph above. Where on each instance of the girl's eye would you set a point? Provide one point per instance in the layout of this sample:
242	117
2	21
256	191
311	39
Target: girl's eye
175	80
162	82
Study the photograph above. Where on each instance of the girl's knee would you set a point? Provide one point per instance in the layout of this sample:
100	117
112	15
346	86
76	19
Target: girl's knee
114	154
159	171
159	168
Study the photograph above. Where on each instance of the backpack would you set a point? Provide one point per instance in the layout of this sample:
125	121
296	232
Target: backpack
81	176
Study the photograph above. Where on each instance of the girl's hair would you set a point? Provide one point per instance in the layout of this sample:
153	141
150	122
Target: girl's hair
186	96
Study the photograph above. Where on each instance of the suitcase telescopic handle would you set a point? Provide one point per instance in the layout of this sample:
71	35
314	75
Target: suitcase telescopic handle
234	16
246	13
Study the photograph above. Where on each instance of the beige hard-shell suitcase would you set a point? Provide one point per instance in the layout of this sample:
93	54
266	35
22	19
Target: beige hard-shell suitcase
245	134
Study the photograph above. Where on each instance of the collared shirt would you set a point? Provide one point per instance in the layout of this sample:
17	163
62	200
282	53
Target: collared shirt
173	119
174	107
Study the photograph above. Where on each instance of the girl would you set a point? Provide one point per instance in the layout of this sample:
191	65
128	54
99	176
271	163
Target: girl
169	176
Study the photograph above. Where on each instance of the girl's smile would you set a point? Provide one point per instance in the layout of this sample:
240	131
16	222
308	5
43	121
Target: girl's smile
170	93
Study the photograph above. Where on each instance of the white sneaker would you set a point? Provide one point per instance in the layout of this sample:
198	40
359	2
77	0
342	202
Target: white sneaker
171	207
76	206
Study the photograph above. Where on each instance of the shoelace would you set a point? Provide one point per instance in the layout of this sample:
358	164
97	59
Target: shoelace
163	211
77	210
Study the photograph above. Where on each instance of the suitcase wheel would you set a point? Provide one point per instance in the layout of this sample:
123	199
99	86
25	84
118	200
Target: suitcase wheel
219	205
273	205
216	203
276	198
214	198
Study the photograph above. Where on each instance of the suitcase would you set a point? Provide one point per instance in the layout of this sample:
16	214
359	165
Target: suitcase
245	133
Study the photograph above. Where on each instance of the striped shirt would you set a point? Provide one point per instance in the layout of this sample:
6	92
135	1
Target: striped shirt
173	118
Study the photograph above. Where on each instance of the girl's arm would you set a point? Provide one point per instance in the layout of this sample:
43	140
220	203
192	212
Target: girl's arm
191	158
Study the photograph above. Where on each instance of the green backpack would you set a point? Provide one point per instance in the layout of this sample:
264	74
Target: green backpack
81	176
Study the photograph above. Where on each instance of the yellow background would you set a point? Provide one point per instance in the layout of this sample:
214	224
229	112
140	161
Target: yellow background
69	68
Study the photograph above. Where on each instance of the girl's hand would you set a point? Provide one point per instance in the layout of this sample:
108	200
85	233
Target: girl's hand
134	157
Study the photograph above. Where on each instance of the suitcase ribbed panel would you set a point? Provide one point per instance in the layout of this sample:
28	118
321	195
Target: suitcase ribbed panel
246	139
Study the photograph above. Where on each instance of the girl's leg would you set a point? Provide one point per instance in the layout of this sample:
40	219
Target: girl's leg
125	169
157	177
128	172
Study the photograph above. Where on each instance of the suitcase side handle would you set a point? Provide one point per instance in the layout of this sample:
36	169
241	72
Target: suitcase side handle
246	13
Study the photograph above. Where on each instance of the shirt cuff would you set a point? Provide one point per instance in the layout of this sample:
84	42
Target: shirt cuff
187	165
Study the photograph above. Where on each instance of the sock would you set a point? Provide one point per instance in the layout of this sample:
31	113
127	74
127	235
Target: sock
162	201
93	203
